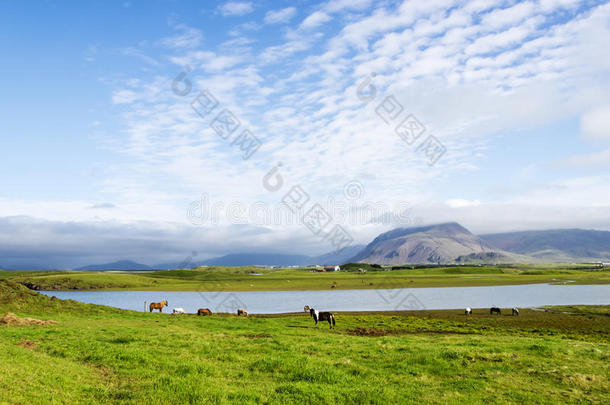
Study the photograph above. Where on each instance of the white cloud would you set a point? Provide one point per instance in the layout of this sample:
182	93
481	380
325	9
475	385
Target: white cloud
124	97
552	5
508	16
595	124
188	38
601	158
274	53
207	60
460	203
280	16
314	20
335	6
502	40
236	8
477	6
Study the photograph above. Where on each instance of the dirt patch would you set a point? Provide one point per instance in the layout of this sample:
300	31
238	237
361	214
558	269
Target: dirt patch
384	332
369	332
28	344
10	319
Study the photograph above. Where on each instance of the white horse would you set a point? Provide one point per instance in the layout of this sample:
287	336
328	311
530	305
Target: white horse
241	311
178	310
515	312
468	311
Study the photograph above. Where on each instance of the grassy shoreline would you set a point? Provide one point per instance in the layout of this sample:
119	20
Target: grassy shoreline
98	354
241	279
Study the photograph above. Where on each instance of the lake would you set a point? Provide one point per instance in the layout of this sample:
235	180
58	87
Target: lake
269	302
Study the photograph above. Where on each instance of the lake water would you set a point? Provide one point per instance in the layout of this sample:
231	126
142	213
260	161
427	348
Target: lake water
269	302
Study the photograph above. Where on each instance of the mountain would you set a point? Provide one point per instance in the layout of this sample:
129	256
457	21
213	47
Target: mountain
270	259
252	259
119	265
556	245
442	243
238	259
337	258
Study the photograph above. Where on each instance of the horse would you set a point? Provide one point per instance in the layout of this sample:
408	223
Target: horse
241	311
204	312
322	316
468	311
494	310
158	305
178	310
306	309
515	312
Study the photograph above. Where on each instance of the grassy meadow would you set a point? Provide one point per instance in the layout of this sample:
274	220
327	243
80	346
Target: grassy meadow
97	354
242	278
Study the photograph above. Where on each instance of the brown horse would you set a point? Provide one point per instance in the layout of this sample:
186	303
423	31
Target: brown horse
204	312
241	311
157	305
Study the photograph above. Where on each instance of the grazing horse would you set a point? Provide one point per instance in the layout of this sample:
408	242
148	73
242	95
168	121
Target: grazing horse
494	310
157	305
322	316
178	310
515	312
468	311
241	311
204	312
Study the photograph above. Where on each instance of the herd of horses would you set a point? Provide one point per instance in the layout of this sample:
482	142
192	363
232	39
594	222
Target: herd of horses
200	311
492	310
314	313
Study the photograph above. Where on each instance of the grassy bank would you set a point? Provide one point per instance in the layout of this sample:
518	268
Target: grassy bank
96	354
242	278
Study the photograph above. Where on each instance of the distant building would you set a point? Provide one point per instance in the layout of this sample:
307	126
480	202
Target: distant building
332	268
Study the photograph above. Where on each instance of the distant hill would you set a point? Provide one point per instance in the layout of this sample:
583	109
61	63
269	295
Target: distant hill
238	259
337	258
556	245
495	257
263	259
119	265
442	243
448	243
270	259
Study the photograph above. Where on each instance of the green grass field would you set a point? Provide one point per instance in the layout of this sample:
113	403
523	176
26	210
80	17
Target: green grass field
96	354
241	278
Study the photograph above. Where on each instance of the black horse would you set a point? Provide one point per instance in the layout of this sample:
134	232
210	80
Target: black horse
322	316
494	310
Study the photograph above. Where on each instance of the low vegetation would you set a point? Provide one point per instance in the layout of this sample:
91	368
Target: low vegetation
354	276
97	354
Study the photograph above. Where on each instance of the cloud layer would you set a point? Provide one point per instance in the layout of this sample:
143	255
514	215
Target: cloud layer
315	85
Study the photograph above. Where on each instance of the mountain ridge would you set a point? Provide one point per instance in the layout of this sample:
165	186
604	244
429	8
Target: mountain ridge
439	243
558	245
236	260
444	243
116	265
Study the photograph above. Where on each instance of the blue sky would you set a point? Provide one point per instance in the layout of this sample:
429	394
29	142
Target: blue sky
96	141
